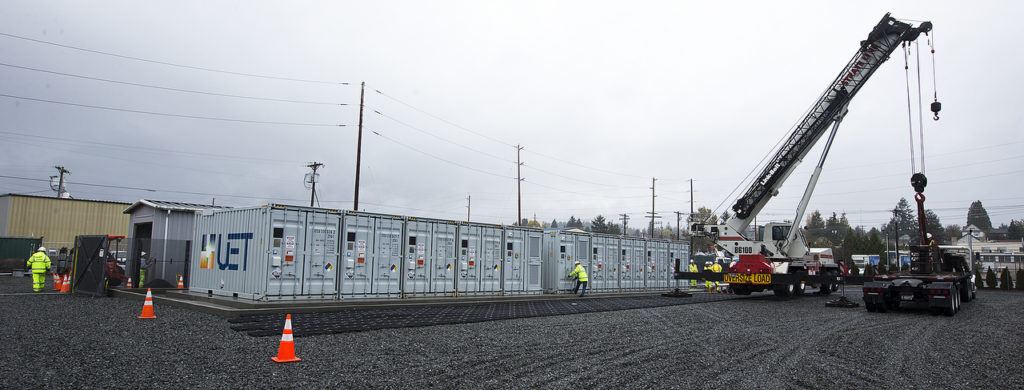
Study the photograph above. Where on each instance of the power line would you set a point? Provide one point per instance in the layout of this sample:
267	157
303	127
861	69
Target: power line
66	141
502	159
441	158
170	88
170	63
442	119
169	114
466	129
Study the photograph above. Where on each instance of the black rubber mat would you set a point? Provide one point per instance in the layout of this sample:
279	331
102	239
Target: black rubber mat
358	319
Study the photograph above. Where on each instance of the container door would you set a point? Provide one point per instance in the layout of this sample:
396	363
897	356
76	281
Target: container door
469	257
443	251
599	273
418	264
387	257
286	262
614	264
566	256
358	239
584	256
491	260
514	263
534	260
321	253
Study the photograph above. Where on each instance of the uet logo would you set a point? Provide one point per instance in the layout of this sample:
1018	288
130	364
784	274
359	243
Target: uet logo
236	244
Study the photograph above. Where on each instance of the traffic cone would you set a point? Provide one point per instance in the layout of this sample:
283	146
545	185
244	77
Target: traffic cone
65	288
286	349
58	281
181	281
129	284
147	308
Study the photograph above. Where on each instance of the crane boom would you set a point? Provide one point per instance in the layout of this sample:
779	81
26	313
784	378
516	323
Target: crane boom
829	108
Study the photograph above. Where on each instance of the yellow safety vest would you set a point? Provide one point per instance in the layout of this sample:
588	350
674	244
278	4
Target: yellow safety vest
579	273
39	263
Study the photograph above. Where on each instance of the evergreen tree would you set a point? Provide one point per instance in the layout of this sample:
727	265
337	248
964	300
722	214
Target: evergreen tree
599	224
883	268
933	226
990	278
978	280
614	228
554	224
1020	279
1006	283
854	270
977	216
1016	230
906	220
952	232
869	270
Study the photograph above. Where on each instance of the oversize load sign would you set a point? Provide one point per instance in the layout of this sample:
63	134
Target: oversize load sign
747	278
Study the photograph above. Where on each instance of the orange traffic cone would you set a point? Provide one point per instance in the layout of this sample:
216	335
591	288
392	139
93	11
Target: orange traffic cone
181	282
58	281
147	308
286	350
129	284
65	287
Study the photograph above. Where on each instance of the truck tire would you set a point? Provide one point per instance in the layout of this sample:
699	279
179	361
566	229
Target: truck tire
870	306
784	290
800	288
953	305
965	293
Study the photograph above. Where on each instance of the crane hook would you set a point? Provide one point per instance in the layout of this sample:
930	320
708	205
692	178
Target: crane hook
936	107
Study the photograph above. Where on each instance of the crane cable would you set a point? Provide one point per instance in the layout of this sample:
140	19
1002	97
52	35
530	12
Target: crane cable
920	109
910	110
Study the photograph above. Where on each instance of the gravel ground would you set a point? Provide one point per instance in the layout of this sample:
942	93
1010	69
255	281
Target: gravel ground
98	343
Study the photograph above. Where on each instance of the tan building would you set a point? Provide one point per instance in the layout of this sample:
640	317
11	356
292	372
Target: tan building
58	221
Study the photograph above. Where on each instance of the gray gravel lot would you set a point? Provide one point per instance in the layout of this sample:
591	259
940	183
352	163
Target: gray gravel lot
98	343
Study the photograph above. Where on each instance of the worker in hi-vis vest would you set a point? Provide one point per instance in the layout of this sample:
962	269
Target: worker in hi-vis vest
581	278
693	268
716	268
40	264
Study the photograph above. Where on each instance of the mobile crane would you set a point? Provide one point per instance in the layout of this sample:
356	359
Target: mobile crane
780	260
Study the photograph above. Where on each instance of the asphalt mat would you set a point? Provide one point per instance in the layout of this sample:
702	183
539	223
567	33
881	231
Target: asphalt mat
363	319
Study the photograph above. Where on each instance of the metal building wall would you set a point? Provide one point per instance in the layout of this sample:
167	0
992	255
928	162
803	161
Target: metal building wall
58	221
5	215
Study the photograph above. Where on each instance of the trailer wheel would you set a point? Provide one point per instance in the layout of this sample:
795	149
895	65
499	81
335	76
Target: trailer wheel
870	306
881	306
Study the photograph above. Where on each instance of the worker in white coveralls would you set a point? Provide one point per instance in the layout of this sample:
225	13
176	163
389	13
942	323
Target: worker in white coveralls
39	263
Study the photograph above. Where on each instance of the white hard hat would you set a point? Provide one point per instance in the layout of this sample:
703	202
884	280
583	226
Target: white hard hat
143	254
929	235
577	262
41	249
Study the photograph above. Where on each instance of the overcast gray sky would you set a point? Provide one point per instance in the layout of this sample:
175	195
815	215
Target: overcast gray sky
623	91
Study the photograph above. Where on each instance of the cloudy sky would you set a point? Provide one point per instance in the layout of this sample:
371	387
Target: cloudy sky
601	95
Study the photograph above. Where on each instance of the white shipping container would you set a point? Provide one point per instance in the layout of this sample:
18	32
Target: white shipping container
272	252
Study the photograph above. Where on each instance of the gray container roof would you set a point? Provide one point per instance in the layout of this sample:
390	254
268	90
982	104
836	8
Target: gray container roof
169	205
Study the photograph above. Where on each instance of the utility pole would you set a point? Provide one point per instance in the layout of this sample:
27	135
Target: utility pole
61	191
359	146
896	231
519	185
652	215
625	219
679	218
312	179
469	203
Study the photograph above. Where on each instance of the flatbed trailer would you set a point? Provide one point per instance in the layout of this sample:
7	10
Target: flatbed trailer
940	293
744	283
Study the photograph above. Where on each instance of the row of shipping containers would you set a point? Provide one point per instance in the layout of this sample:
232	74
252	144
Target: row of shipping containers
278	252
